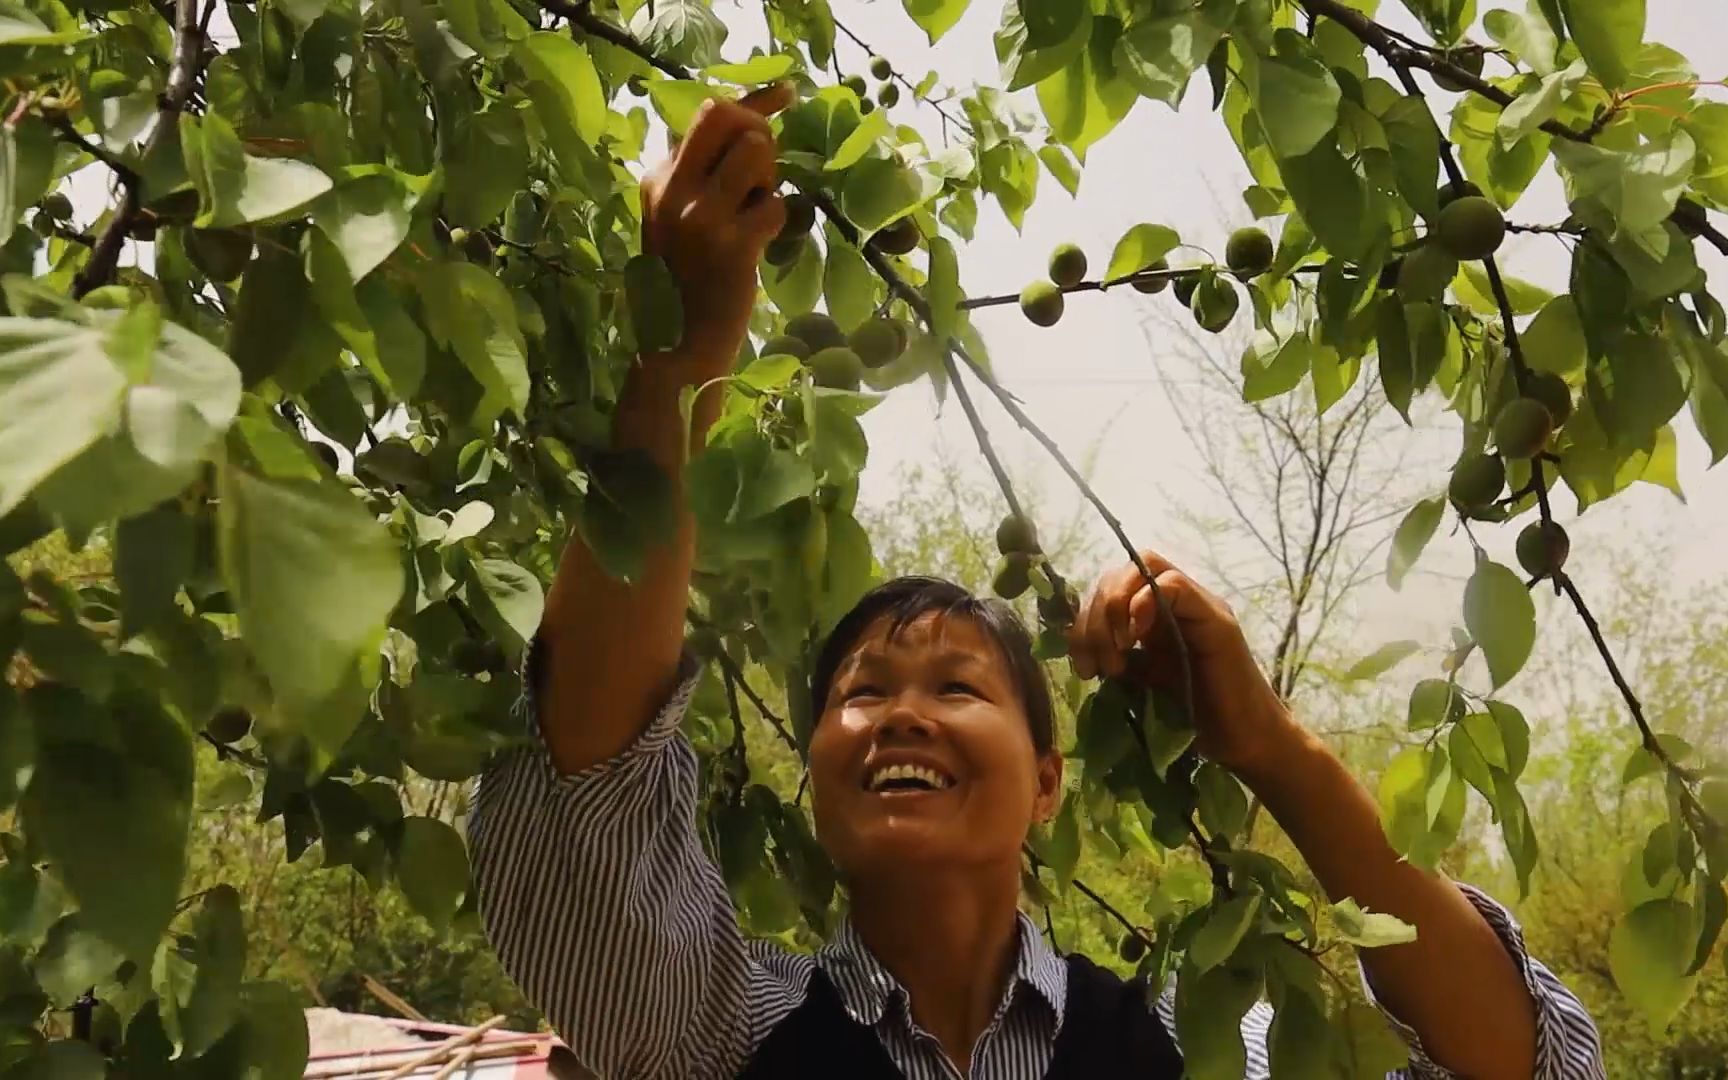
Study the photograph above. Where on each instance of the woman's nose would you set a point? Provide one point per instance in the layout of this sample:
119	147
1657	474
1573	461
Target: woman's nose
905	719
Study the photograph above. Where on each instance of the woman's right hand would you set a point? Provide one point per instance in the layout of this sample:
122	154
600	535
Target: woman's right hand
710	210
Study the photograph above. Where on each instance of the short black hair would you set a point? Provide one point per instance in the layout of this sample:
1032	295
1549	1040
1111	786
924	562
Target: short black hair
904	600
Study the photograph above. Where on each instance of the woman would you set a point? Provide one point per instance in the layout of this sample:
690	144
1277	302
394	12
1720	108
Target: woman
930	759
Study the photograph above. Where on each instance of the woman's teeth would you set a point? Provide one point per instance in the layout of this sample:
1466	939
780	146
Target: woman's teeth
908	776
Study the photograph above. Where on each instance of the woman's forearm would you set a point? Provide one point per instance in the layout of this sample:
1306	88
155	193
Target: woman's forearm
1456	984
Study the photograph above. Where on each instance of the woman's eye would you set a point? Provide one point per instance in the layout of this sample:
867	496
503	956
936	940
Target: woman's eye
957	687
862	691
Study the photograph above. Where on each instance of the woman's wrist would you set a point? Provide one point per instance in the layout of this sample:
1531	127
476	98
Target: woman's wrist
1282	756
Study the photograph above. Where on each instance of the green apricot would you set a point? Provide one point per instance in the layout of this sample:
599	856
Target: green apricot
1477	481
1249	252
816	329
1016	536
1042	303
1067	265
1471	228
1523	428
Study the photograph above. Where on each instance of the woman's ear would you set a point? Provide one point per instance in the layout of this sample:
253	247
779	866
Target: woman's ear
1049	799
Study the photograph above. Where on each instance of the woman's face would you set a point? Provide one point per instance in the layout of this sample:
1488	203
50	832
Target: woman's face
923	755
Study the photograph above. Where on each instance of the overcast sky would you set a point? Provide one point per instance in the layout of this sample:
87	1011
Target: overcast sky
1094	378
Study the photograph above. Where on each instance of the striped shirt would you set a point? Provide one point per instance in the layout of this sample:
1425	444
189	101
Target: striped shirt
603	905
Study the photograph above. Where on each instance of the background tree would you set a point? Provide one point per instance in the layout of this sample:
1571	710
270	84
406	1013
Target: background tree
332	369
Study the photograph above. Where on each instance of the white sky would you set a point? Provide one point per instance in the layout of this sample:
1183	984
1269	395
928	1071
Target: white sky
1093	379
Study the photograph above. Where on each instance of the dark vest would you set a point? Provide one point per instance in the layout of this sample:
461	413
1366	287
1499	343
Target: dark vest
1107	1032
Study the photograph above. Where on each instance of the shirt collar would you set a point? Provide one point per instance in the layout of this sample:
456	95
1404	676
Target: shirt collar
866	987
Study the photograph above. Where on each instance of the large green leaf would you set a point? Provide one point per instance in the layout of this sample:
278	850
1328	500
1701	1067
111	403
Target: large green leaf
1411	537
1649	953
59	392
432	868
1501	618
367	214
685	31
1223	930
568	97
1087	99
200	1008
879	190
935	17
234	187
1627	192
1610	34
1296	96
111	815
1160	55
313	578
1140	247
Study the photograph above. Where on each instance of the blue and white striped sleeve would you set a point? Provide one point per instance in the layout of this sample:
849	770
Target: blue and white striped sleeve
603	906
1568	1046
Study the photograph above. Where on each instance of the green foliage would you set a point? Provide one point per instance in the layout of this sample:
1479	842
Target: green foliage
339	429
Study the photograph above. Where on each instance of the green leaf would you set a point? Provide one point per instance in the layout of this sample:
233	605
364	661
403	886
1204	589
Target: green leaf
880	190
1382	660
153	557
1635	389
1223	930
1160	55
431	865
1331	198
484	156
1140	247
1413	140
1610	35
753	72
1434	702
1368	929
849	285
1296	96
72	959
1411	538
268	1042
1061	849
1530	37
236	188
1476	291
1268	376
1049	22
943	288
685	31
471	312
1087	99
112	817
1222	803
313	579
1554	340
935	17
509	600
676	100
1062	166
656	304
218	951
567	93
1501	618
1649	953
795	289
871	130
1627	192
1534	107
63	1059
367	215
1209	1010
42	426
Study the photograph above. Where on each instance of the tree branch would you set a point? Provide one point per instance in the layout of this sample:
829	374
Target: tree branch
182	74
911	88
576	11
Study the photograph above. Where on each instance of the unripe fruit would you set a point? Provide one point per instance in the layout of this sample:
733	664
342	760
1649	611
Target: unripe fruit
1249	252
327	454
784	249
1133	947
816	329
1058	609
1183	288
897	238
1551	390
637	85
1542	548
1389	274
1013	576
107	83
1426	273
1215	304
866	107
229	725
41	224
477	246
880	67
705	642
877	342
1450	193
57	206
1470	58
1471	228
221	253
888	96
1016	536
786	345
856	84
837	368
1067	265
1523	428
1477	481
800	214
1154	285
1042	303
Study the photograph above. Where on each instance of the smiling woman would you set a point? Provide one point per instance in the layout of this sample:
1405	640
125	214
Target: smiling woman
931	757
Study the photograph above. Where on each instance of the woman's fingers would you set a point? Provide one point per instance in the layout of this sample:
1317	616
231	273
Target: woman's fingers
747	166
768	100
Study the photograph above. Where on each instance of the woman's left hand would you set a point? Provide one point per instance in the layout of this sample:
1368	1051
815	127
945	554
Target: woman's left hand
1239	719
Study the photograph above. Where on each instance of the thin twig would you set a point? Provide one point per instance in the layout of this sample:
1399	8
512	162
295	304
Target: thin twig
182	74
734	672
911	88
62	126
